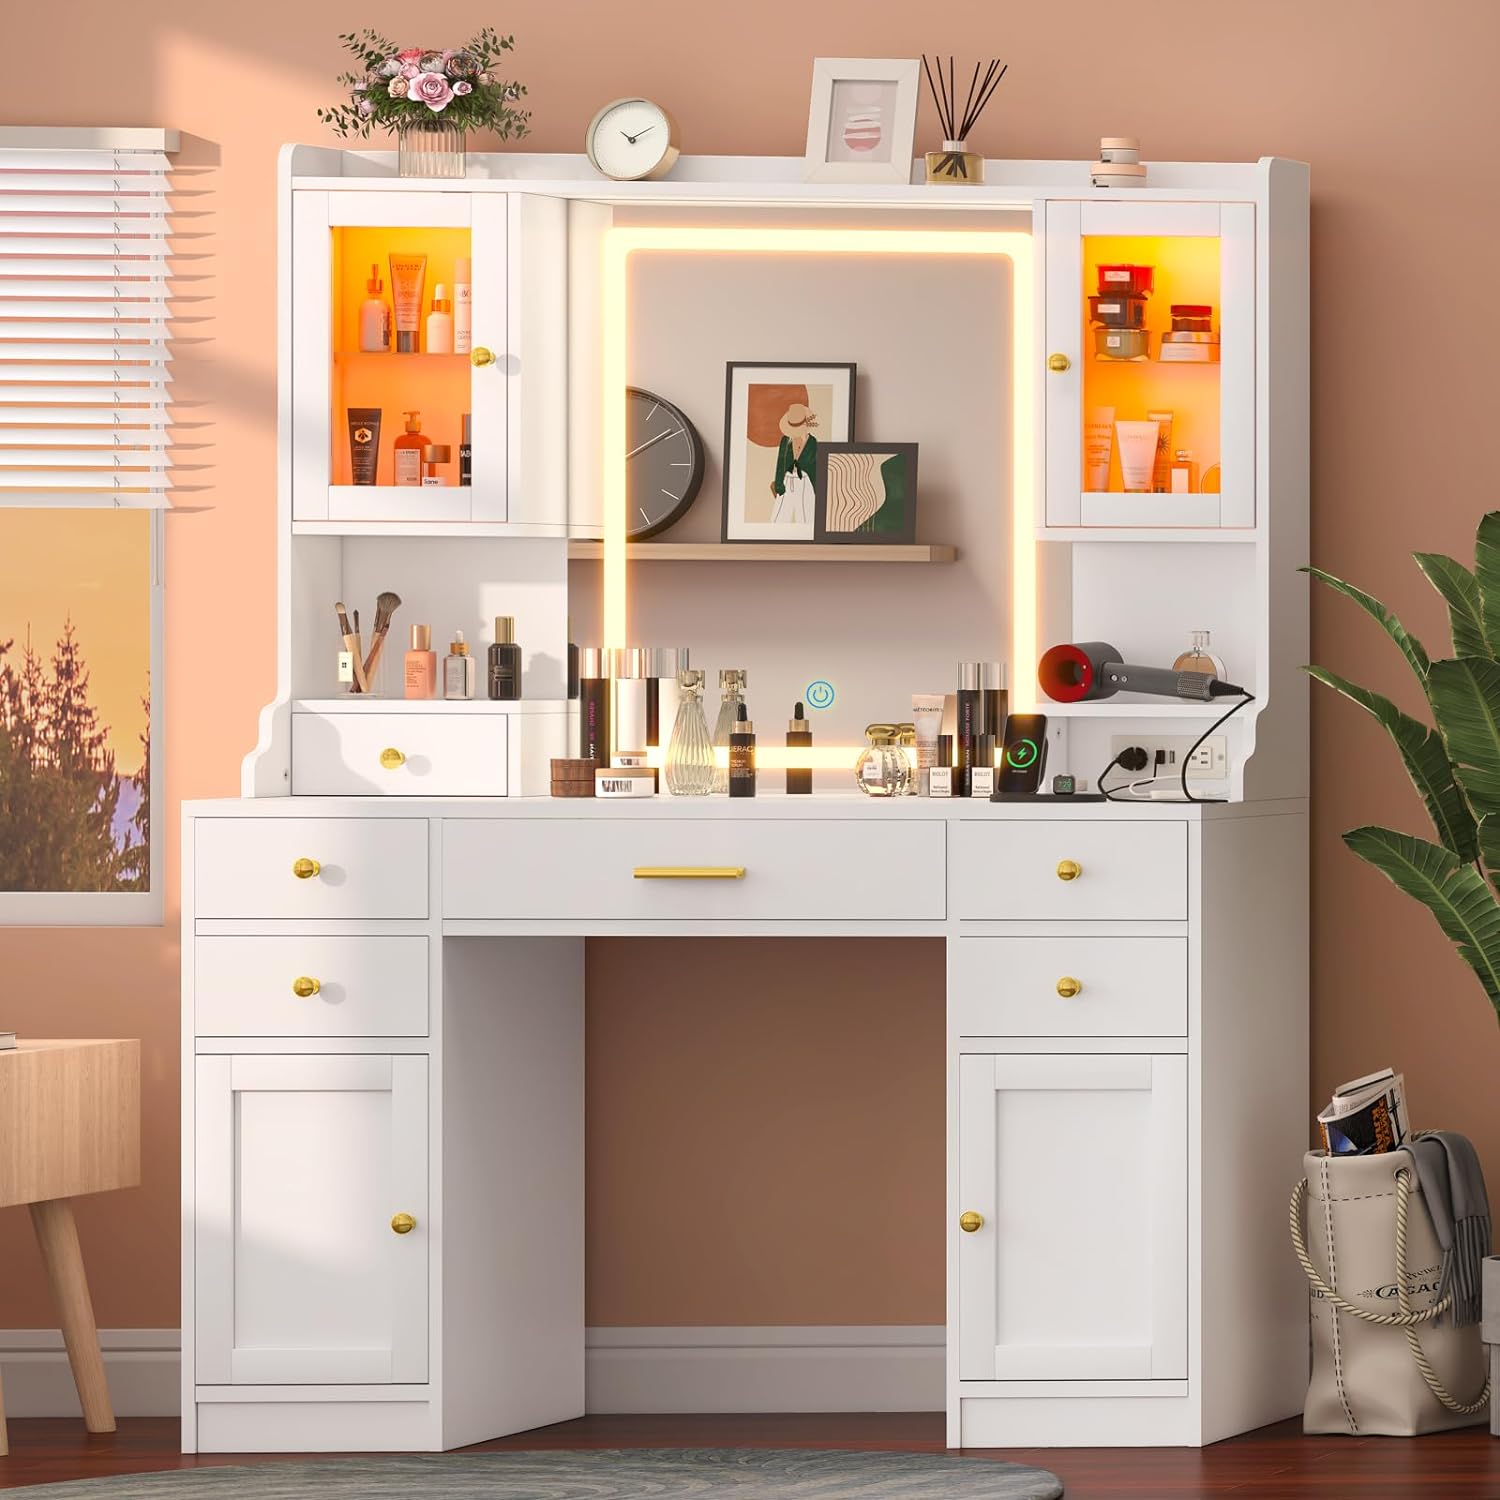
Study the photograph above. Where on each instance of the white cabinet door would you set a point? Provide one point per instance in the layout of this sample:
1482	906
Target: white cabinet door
1198	255
1078	1167
302	1163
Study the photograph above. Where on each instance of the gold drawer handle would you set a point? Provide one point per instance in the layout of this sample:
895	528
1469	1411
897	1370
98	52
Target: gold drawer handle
305	869
1067	987
479	356
403	1223
392	759
1069	869
970	1221
689	872
304	987
1057	363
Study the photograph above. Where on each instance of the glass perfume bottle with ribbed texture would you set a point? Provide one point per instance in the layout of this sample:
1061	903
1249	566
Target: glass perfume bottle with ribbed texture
689	765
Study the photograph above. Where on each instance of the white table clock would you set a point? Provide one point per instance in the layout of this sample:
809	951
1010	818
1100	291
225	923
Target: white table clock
632	139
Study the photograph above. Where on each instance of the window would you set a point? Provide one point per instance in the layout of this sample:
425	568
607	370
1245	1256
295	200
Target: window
84	477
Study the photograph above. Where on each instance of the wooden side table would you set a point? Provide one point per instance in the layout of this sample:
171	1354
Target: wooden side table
70	1123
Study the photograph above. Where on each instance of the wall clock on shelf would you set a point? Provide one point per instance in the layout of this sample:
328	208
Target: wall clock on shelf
663	464
631	140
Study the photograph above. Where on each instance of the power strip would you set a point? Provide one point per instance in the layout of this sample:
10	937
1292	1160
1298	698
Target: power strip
1210	763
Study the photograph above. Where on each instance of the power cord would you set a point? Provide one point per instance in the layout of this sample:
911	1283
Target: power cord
1134	758
1131	758
1218	723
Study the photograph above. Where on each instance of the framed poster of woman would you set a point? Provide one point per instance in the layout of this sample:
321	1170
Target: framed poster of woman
775	418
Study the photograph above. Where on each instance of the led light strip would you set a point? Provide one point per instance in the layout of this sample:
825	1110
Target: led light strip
620	244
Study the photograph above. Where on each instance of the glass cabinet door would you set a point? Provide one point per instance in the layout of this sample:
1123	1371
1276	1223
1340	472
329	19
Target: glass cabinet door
399	399
1150	383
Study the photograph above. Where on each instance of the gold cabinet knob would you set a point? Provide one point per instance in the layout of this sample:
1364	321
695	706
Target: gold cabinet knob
403	1223
305	869
305	987
1069	869
970	1221
1067	987
479	355
391	758
1057	363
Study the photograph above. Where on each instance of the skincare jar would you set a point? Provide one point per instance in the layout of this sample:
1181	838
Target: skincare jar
1119	312
1126	280
1122	343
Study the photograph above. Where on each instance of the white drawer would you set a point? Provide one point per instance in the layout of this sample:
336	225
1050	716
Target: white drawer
400	754
367	867
1014	871
366	986
1010	986
793	870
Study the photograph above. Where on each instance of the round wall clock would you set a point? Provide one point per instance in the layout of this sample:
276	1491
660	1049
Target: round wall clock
632	139
663	464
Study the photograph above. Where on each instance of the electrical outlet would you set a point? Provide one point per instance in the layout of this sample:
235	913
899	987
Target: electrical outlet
1210	763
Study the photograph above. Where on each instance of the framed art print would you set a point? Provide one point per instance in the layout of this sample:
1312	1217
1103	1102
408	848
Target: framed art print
776	420
862	119
866	492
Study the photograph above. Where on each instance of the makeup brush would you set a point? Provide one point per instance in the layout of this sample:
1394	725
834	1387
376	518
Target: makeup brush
386	605
351	645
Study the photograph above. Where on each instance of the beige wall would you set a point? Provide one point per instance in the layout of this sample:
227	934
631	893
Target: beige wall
1392	103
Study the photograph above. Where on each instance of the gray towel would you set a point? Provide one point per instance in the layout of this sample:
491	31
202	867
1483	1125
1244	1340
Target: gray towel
1453	1184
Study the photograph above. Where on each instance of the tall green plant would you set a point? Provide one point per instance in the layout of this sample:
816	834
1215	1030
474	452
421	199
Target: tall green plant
1454	763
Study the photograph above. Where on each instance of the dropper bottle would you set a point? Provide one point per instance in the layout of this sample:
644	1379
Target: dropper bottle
798	737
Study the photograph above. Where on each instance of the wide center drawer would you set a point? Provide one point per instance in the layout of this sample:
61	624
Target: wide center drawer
1007	871
400	754
310	867
310	986
792	870
1068	986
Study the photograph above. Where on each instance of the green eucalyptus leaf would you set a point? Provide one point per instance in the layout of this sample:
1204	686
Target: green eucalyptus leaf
1426	760
1465	697
1487	572
1454	892
1411	647
1460	590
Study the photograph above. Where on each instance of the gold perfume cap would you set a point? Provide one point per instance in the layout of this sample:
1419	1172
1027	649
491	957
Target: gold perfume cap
505	630
458	646
421	638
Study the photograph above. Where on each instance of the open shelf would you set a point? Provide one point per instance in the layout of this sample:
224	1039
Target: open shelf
1116	708
736	552
1145	534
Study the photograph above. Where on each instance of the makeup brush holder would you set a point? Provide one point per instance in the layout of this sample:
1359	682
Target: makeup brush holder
955	165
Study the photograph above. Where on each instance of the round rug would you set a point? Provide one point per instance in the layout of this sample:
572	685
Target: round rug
598	1474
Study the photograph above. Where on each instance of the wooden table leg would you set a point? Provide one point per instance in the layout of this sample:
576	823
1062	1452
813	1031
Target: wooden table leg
57	1234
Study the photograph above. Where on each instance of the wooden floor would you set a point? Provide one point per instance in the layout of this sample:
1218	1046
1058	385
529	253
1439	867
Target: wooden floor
1276	1463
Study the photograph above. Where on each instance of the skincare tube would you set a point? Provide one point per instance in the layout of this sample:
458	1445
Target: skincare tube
1161	464
408	283
1098	445
1137	455
927	720
364	443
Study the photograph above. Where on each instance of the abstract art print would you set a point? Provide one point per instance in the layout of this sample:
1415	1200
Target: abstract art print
777	418
862	119
866	492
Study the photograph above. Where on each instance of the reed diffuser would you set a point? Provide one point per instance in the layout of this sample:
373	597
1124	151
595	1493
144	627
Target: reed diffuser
955	163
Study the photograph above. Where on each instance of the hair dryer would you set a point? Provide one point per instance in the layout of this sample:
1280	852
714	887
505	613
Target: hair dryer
1093	669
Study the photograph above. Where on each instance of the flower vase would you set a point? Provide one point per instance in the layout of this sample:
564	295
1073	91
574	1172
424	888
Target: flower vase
955	164
429	148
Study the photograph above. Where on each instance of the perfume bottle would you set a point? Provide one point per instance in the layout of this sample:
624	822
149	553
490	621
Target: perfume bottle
504	662
882	769
690	752
1198	658
732	683
458	669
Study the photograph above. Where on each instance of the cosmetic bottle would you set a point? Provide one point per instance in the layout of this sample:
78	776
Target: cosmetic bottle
970	724
463	306
742	755
435	456
628	700
732	684
882	769
996	700
408	449
503	679
421	664
466	451
572	666
653	698
1198	657
798	737
364	444
440	322
689	768
374	317
458	669
593	706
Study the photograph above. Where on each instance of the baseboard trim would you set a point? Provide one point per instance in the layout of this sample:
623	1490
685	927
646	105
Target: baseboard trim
839	1368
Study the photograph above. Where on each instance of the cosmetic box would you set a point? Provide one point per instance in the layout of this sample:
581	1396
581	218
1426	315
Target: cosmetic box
625	781
1189	348
1126	280
573	778
1118	312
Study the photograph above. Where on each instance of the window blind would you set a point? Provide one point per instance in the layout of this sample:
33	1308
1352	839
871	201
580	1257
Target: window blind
84	328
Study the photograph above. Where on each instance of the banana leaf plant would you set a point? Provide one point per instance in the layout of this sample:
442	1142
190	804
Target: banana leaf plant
1453	763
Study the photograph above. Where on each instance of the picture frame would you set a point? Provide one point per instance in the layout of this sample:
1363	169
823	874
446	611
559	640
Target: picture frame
862	119
866	493
772	411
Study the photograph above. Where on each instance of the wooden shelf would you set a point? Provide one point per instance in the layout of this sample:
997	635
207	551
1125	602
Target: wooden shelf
792	552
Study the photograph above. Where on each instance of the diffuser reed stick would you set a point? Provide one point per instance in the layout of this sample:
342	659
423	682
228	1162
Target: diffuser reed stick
955	163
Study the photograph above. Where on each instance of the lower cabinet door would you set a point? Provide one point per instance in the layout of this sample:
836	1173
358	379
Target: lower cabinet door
1077	1167
303	1163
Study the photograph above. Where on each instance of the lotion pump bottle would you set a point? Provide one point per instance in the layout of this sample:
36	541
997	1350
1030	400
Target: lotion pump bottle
440	322
374	317
408	449
421	664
